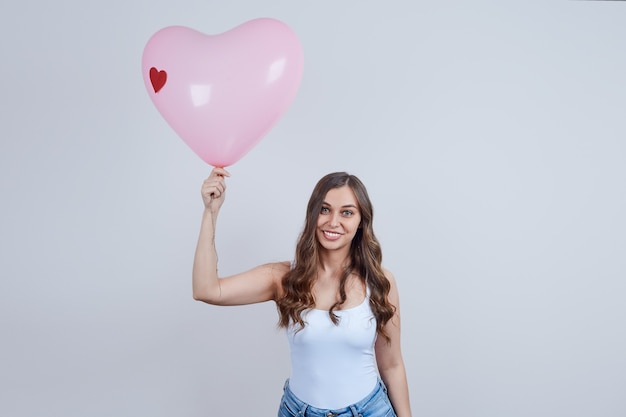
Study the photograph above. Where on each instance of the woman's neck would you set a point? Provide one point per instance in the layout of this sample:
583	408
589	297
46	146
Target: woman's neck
332	262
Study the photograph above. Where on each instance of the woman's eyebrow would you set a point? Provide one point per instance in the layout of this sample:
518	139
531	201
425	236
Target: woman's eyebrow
344	206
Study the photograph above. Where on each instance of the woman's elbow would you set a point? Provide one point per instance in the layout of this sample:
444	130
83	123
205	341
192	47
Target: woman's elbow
199	297
209	297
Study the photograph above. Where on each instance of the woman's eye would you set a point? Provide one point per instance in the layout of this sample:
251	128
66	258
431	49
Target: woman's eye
347	213
324	210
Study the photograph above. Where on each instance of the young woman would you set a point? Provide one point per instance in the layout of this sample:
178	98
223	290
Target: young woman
339	307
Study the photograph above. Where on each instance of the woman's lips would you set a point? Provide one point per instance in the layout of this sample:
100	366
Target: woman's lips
331	235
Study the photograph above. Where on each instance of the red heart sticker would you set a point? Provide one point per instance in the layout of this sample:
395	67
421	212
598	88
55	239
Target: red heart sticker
158	79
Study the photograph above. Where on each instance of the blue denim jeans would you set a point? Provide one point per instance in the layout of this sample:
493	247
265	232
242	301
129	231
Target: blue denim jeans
376	404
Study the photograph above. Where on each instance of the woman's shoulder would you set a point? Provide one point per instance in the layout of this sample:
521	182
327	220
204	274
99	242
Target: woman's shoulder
390	277
276	268
388	274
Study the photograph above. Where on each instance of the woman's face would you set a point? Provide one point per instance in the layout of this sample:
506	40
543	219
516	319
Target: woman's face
339	219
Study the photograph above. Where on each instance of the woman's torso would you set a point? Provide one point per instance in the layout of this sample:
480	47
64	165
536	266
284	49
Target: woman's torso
334	365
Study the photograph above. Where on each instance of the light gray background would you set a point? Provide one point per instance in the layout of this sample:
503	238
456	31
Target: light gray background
491	136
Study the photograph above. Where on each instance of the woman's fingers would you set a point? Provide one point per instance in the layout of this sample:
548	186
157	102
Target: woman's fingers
214	186
219	172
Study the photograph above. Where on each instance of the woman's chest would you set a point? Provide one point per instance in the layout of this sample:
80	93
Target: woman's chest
327	294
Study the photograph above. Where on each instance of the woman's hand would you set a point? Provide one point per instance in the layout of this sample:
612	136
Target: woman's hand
214	189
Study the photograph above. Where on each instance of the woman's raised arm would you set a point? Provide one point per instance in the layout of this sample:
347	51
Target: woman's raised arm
257	285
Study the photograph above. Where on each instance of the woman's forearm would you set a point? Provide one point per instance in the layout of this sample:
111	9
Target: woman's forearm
398	390
205	280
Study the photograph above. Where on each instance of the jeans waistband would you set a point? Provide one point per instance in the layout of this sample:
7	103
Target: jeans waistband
306	410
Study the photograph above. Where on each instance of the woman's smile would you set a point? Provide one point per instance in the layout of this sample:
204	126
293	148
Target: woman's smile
331	235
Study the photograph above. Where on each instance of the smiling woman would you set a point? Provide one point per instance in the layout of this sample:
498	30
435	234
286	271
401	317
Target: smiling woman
334	300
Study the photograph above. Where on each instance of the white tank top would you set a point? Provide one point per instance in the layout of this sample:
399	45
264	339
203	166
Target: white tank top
334	366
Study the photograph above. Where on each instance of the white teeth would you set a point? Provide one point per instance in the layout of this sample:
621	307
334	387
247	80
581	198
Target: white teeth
331	234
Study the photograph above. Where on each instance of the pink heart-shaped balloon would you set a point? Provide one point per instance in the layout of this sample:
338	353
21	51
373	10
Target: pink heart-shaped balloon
223	93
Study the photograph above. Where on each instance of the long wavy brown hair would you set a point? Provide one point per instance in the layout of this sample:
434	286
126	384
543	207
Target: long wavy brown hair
364	261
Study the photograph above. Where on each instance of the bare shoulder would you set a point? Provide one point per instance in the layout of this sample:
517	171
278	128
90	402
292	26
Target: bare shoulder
275	272
277	269
390	277
394	297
